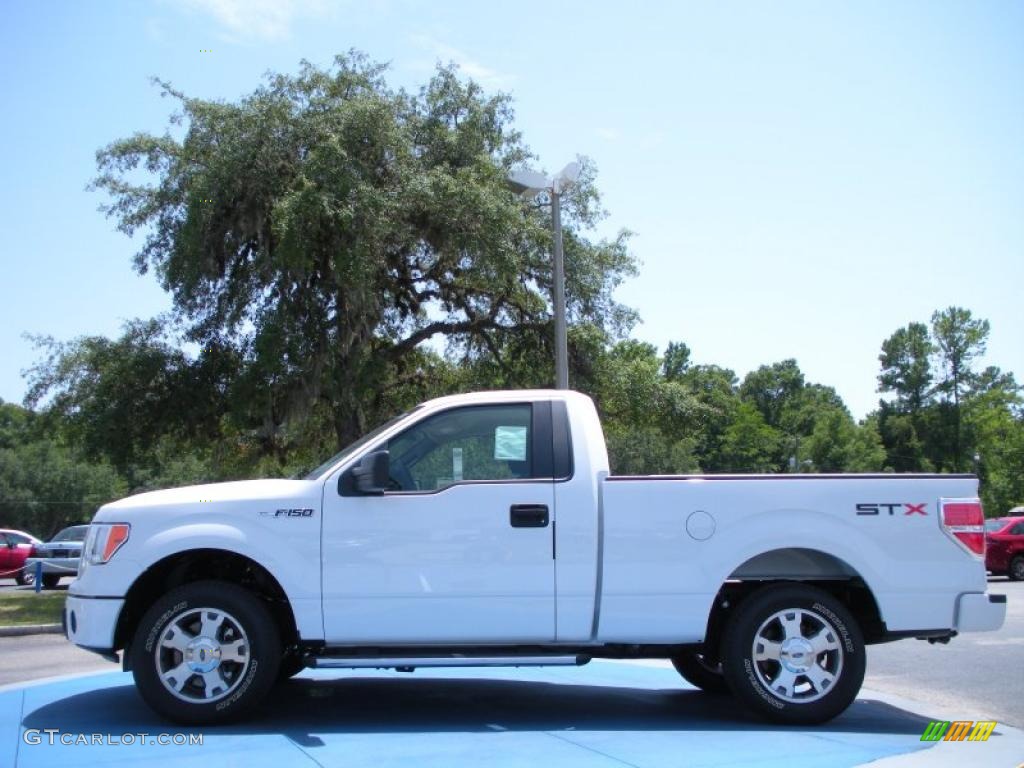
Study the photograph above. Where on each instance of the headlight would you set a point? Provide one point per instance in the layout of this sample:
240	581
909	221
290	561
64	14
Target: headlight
102	541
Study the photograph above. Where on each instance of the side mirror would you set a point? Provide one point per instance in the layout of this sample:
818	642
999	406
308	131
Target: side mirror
370	476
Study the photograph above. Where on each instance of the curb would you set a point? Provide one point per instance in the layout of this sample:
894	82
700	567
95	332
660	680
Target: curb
31	629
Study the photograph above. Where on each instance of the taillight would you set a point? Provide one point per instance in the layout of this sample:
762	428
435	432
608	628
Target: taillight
964	520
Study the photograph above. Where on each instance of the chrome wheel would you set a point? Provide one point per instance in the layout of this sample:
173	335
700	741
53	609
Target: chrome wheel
797	655
202	655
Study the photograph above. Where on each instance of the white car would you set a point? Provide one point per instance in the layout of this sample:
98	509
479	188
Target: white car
484	529
58	557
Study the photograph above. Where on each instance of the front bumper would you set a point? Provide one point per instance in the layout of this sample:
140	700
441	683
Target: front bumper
90	621
63	566
980	612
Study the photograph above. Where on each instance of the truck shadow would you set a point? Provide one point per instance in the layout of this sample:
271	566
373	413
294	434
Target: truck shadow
301	707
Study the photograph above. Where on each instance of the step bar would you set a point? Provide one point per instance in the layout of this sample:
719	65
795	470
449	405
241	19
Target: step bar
409	663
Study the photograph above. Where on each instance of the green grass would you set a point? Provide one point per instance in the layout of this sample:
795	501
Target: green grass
19	608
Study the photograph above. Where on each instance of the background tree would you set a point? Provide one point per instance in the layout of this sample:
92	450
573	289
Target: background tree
906	367
44	484
959	340
325	226
651	423
749	443
112	398
772	389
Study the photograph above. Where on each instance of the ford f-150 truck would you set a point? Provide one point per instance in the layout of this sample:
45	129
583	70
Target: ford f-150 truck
485	530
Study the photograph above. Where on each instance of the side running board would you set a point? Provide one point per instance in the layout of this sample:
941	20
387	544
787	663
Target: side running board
409	663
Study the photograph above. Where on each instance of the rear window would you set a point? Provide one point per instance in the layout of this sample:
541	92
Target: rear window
74	533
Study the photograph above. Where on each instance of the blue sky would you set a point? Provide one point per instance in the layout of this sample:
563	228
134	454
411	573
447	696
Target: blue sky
803	177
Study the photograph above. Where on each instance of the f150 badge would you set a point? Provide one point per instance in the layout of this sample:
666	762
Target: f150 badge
877	509
307	512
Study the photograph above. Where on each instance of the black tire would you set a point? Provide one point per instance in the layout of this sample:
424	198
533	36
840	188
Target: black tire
701	671
51	580
291	665
236	618
25	577
823	639
1016	569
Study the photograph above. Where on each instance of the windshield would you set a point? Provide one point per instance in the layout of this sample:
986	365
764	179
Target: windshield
75	533
994	525
337	458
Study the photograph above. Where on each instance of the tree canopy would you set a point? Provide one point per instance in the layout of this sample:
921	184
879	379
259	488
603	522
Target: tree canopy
325	226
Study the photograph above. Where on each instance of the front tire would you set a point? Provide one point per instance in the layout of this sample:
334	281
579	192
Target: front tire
206	652
793	654
25	578
702	671
291	665
1016	569
51	580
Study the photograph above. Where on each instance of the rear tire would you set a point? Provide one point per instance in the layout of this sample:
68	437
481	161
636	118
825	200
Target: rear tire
51	580
206	652
1016	569
793	654
701	671
25	577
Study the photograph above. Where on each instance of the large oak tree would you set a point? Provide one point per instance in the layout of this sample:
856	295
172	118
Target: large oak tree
325	226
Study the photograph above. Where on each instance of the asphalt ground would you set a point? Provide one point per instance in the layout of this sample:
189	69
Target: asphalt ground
979	673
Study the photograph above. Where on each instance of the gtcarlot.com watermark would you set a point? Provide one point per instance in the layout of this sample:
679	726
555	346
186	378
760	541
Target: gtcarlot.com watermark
52	736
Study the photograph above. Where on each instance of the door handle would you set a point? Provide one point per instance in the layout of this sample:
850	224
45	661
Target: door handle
528	515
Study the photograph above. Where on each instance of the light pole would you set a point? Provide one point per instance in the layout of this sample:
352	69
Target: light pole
529	184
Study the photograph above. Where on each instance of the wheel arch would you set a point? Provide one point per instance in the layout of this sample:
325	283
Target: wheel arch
198	564
796	565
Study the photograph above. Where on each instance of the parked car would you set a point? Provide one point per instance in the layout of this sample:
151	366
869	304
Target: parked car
1004	545
59	556
15	548
484	530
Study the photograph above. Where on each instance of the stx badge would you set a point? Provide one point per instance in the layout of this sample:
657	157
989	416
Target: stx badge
876	509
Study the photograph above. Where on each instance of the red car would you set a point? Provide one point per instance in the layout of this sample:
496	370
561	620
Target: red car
15	548
1004	545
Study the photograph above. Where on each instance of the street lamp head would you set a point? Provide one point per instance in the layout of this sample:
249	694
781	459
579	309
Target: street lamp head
567	176
528	183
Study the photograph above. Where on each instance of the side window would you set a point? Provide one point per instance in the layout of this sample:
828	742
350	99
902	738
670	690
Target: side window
4	540
1018	529
489	442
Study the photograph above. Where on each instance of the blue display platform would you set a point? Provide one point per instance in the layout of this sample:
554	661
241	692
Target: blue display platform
602	715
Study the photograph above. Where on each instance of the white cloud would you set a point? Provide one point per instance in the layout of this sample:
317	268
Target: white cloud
266	20
608	134
487	77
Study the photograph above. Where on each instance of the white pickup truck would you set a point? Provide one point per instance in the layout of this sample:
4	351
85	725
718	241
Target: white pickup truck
485	530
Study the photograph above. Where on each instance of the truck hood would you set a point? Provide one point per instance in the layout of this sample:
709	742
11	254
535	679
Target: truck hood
239	491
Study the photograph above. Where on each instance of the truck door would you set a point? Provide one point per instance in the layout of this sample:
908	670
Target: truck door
459	549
